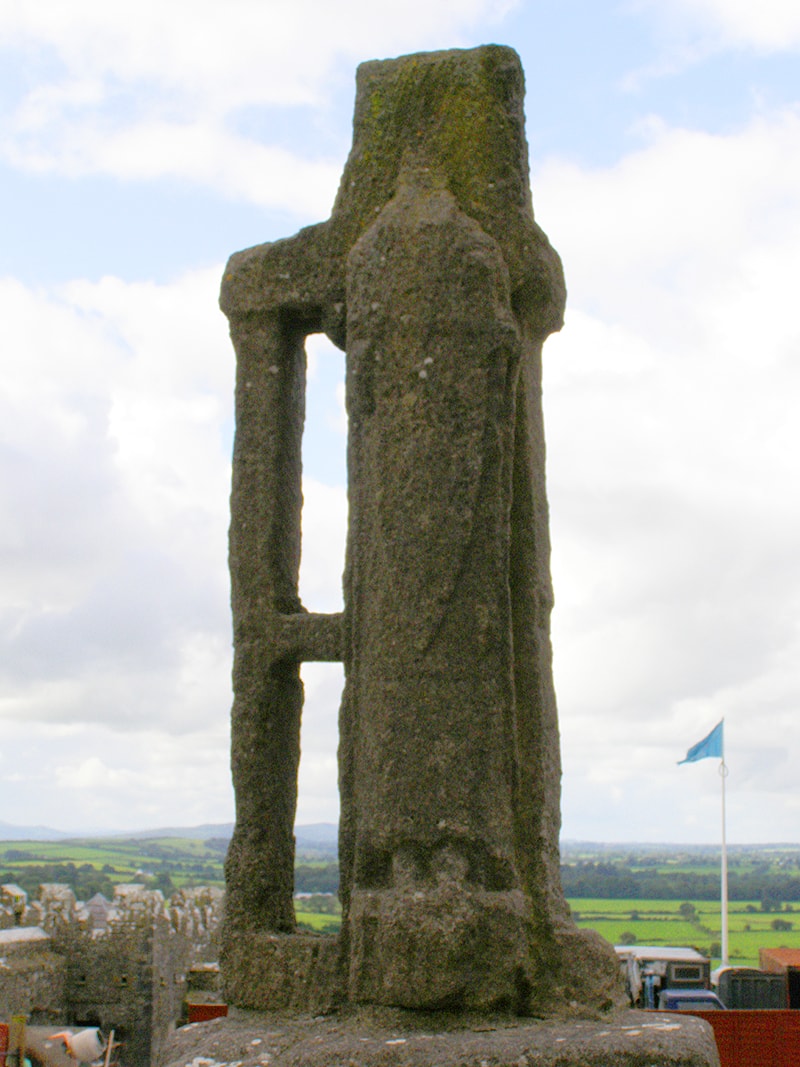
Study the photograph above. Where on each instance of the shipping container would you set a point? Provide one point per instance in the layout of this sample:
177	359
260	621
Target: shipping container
786	962
750	988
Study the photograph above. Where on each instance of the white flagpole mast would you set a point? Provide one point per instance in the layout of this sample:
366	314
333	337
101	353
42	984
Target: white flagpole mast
723	773
710	747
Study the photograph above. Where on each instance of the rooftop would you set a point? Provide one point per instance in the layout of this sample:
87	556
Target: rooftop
661	952
17	935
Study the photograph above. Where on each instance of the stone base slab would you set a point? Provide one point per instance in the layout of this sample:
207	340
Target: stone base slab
378	1038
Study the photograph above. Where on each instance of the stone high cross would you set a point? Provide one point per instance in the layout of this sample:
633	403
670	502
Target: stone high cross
434	279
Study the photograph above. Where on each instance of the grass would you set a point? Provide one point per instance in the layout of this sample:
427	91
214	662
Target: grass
187	860
657	922
654	922
323	924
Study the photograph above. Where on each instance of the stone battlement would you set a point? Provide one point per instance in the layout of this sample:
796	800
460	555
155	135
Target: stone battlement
119	964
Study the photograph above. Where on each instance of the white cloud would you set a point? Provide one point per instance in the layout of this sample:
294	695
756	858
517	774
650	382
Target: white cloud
91	773
324	534
160	94
318	788
115	444
681	220
772	25
114	473
105	785
672	462
195	152
243	52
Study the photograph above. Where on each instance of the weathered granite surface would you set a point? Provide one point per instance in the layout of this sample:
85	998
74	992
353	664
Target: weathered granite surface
384	1039
435	279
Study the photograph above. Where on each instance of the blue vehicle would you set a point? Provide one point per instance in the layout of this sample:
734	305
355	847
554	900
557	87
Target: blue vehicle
689	1000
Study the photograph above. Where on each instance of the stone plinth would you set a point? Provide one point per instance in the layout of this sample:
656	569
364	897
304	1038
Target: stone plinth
629	1039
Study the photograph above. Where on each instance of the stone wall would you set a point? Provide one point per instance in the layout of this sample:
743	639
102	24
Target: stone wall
117	964
32	976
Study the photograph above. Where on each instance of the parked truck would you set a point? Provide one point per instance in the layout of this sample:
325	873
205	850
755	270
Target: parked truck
747	1033
649	970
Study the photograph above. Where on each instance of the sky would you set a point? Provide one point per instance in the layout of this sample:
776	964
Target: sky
142	143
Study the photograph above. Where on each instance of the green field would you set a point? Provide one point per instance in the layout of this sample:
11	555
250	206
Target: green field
654	922
169	863
323	924
100	864
659	922
124	852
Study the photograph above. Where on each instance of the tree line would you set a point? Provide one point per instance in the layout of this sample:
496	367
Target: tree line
587	879
84	879
608	881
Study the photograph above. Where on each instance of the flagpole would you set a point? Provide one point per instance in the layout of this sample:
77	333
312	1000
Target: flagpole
711	747
723	773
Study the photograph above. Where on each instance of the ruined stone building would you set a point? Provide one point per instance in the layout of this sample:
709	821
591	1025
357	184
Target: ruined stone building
119	964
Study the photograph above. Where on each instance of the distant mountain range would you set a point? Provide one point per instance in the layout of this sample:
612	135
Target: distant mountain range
321	835
8	832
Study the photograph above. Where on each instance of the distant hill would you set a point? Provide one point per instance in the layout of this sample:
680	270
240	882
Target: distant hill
199	833
316	837
9	832
322	837
319	838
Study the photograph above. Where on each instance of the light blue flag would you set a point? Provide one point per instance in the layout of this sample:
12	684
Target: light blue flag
709	746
